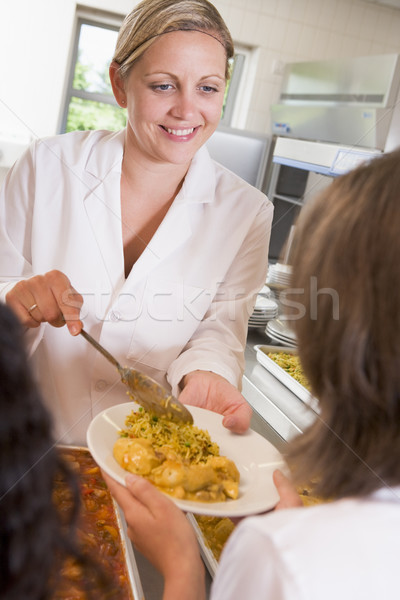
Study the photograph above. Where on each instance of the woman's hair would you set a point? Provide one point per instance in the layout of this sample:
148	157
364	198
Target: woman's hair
152	18
35	538
346	292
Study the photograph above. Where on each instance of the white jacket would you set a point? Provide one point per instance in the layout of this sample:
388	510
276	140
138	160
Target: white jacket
346	549
187	299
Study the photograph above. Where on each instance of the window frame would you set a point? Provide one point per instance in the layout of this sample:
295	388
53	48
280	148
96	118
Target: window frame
245	85
233	91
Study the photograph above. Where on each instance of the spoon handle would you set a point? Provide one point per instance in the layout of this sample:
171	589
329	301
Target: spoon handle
100	348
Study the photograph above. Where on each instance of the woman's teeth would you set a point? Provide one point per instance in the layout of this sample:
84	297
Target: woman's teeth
180	131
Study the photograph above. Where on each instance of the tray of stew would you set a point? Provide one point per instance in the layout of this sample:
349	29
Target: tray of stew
101	531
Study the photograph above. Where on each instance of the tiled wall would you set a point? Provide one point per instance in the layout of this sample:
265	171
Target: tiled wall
295	30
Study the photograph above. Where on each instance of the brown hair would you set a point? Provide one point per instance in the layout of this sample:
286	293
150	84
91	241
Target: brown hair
347	247
151	18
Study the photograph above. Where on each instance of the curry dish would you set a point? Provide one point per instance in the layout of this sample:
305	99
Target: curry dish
216	531
178	458
98	532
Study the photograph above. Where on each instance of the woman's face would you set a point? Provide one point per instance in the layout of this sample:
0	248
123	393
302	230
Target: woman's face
174	96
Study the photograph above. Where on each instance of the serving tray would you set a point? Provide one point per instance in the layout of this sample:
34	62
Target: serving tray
126	544
206	553
288	381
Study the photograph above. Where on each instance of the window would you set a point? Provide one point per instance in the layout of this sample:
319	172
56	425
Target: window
241	86
90	103
231	92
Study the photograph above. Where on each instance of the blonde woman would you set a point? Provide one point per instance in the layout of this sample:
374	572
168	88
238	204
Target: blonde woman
139	235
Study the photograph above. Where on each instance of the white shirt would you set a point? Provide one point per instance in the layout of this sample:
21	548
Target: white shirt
344	550
186	302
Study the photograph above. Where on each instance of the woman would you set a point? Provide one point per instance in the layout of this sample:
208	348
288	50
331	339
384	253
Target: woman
348	242
139	235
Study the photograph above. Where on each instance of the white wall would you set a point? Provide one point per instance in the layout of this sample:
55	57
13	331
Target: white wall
35	41
35	44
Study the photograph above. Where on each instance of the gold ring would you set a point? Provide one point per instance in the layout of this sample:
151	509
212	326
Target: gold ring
32	308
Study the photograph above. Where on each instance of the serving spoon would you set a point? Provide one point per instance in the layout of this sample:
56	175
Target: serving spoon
144	390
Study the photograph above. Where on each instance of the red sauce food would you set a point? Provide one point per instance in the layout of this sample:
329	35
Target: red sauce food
98	532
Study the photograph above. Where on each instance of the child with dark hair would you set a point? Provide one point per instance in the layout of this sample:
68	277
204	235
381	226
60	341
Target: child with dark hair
31	533
35	538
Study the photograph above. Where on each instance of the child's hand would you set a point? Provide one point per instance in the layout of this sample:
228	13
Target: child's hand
161	532
289	498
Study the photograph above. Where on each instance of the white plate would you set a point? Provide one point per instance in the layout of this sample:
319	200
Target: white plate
280	328
260	320
263	303
280	340
262	317
265	291
254	456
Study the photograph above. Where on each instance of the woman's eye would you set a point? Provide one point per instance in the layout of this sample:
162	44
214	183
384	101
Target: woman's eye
162	86
208	89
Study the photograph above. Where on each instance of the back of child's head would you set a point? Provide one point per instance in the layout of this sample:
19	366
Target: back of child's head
346	275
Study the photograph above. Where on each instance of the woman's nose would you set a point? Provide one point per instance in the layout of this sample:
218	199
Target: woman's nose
184	106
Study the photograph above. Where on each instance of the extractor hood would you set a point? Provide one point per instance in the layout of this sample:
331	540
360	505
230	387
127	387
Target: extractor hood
347	101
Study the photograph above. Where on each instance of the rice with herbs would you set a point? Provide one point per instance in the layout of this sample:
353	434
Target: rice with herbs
188	441
291	364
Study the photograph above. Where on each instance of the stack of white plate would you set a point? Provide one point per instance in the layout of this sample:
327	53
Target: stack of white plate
266	292
279	331
280	274
265	309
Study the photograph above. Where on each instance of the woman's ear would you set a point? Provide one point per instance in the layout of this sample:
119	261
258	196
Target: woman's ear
117	84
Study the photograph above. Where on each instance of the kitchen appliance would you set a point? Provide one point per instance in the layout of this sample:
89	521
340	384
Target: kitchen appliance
301	169
243	152
331	116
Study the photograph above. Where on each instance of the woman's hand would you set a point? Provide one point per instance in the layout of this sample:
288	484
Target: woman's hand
288	496
209	390
161	532
48	298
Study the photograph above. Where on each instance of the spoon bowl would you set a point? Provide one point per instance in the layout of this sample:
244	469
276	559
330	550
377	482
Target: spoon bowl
144	390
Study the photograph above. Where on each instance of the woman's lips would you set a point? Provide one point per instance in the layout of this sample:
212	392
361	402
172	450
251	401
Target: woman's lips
183	134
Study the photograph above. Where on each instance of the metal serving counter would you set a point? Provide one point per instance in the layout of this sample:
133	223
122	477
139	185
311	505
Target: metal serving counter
278	415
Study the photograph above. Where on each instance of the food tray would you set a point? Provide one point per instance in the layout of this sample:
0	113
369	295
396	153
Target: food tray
206	553
294	386
127	549
212	535
126	545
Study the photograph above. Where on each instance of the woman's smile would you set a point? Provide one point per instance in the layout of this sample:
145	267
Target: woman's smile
180	135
